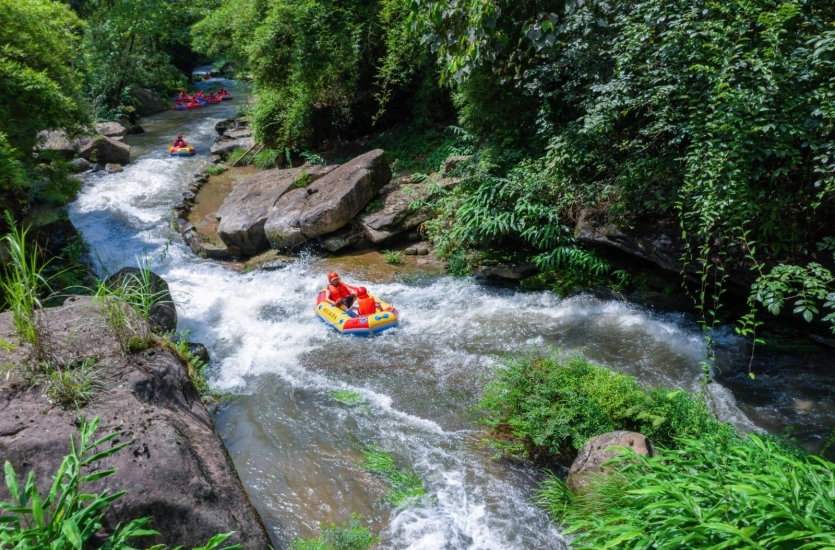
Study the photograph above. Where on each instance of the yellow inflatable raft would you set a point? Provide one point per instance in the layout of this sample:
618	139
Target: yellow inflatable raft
385	318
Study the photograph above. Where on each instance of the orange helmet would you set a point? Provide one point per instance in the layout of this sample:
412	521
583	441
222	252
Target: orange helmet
333	275
362	292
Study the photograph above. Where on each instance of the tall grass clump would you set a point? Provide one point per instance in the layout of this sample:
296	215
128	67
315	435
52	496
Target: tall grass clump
348	535
267	158
542	406
23	283
68	517
743	493
126	304
406	487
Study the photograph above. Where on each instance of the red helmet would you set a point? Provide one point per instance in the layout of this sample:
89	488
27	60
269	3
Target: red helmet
179	137
333	275
362	292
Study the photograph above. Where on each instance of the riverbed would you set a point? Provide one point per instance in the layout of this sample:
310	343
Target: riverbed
298	448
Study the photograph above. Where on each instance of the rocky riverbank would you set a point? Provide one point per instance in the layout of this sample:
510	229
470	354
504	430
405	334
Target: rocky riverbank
175	468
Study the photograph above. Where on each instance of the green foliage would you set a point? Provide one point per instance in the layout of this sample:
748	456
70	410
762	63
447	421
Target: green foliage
195	367
215	170
267	158
374	205
393	258
23	283
304	180
740	493
551	405
406	487
313	158
235	156
348	535
127	43
70	386
347	397
67	518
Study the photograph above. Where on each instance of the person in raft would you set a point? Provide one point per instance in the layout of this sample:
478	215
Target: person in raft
183	96
199	94
339	294
366	305
179	142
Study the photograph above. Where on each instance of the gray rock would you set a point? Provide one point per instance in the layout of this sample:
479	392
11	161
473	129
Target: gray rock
343	193
238	133
282	228
148	102
224	125
411	251
104	149
174	468
395	217
80	165
111	129
57	141
595	453
345	237
512	272
246	208
163	314
113	168
226	145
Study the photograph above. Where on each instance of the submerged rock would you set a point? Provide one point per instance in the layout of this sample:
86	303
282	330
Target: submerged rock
595	453
174	468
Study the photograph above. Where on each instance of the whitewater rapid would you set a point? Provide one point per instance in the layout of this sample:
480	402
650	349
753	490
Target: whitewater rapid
296	447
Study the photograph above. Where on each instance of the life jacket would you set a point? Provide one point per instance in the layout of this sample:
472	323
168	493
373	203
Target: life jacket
367	305
335	292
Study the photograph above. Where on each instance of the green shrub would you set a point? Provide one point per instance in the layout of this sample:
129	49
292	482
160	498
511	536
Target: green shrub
374	205
551	405
267	158
392	257
235	156
67	518
304	180
215	170
740	493
70	386
23	283
348	535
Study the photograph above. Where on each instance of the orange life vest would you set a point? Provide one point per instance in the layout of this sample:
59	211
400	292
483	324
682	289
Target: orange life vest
367	305
335	292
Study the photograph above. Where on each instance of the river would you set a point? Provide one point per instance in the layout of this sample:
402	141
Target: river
298	448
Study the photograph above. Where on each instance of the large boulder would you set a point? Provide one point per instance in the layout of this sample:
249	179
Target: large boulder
596	452
58	142
329	203
148	102
336	198
395	216
282	227
244	211
174	468
95	148
163	314
103	149
112	130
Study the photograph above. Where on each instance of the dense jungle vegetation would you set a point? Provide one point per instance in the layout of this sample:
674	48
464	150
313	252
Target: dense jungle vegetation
710	122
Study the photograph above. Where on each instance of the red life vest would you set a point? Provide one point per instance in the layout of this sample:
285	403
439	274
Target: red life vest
339	291
367	305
